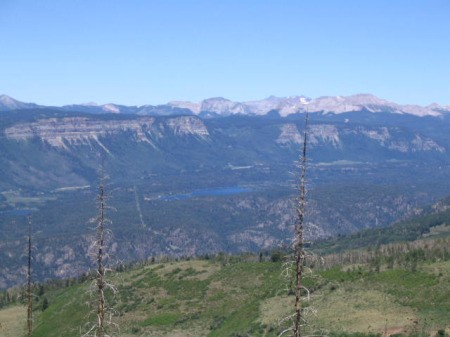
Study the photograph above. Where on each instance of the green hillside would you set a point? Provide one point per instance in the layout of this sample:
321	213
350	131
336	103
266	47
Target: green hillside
240	296
433	222
387	281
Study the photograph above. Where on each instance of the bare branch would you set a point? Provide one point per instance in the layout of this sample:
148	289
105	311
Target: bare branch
299	251
295	268
98	251
285	331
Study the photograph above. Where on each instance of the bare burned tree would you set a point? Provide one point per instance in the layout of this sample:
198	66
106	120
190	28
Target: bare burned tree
294	268
299	250
100	268
29	285
99	328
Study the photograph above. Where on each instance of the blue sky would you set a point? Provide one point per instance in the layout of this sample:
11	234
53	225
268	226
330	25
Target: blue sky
150	52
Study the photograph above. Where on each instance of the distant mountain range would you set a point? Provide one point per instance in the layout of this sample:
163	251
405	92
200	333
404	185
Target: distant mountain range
219	106
195	178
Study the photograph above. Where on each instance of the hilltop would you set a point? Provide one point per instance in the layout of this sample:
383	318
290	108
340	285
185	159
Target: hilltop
232	296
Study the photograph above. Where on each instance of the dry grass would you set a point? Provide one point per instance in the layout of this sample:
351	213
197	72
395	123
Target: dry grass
438	268
438	230
13	321
360	310
275	308
194	332
345	310
203	269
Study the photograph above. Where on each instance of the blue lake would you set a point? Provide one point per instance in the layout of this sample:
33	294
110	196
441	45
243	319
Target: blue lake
206	192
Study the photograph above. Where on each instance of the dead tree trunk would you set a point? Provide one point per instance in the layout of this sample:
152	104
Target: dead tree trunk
299	251
29	293
100	267
101	327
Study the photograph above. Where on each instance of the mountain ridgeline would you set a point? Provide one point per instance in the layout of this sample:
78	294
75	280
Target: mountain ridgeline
196	178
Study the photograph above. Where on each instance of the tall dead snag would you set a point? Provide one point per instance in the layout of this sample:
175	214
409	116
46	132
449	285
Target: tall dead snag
99	253
29	284
299	251
294	268
100	268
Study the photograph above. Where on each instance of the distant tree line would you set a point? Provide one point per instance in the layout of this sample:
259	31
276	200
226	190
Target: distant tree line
400	255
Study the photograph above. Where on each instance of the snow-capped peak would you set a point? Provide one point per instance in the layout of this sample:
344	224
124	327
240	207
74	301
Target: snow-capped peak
283	105
111	108
341	104
9	103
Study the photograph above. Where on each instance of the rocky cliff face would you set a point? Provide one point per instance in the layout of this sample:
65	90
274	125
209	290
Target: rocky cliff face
386	137
289	134
327	134
187	125
78	130
63	132
393	139
72	131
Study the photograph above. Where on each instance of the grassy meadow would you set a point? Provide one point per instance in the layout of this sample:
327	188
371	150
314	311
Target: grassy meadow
238	298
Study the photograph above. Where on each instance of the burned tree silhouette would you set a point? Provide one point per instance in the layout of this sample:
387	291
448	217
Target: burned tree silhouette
100	276
29	285
100	255
295	267
299	250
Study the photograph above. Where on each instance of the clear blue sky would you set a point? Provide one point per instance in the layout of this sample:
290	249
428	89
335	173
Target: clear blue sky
150	52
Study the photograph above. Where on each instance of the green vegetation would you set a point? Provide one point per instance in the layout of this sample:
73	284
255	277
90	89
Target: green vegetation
435	222
381	289
231	296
